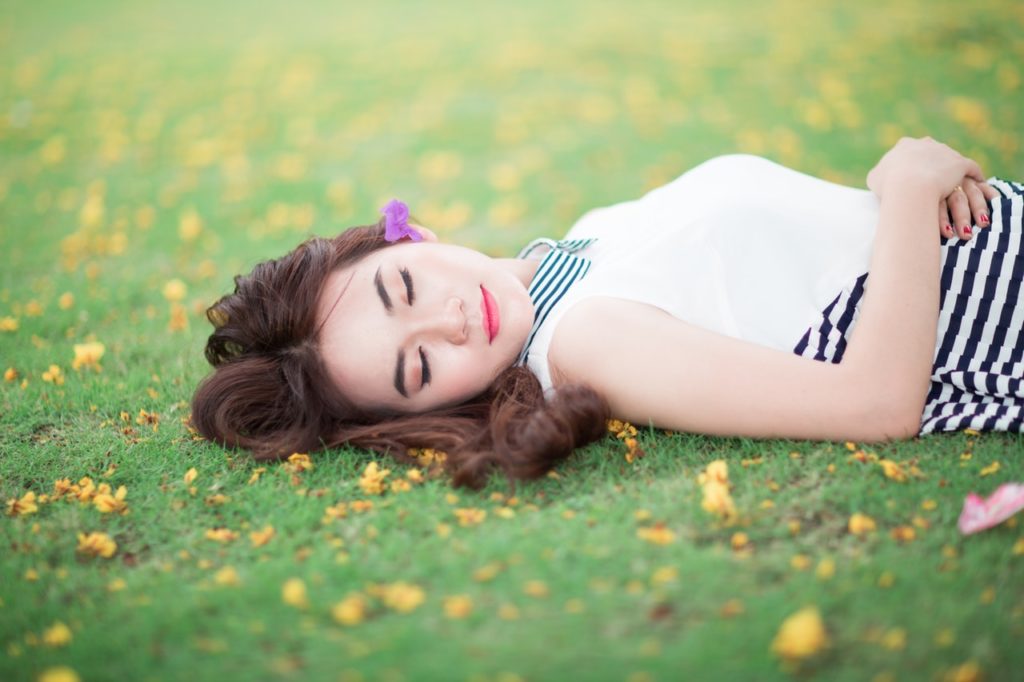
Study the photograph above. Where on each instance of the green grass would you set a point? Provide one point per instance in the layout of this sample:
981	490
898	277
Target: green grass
496	124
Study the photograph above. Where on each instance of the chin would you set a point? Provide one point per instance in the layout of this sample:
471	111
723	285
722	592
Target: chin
517	323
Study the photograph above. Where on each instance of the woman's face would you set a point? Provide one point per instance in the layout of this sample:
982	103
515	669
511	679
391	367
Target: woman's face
421	325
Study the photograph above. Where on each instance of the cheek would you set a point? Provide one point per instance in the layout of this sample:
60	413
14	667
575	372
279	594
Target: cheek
518	322
470	375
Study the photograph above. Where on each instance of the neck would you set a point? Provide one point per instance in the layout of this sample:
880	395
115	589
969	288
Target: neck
522	268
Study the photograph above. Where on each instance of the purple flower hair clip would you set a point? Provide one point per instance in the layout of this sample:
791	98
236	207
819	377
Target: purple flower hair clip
396	222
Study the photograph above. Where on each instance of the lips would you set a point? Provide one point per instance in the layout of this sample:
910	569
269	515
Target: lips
490	318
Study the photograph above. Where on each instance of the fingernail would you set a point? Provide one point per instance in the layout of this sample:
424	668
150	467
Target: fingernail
967	230
983	219
949	228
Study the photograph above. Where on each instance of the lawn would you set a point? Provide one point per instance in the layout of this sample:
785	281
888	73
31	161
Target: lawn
149	152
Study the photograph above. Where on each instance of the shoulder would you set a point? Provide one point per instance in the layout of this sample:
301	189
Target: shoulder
711	180
730	172
729	161
592	334
715	179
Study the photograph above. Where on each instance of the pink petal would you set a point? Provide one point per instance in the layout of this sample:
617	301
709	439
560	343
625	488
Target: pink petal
979	514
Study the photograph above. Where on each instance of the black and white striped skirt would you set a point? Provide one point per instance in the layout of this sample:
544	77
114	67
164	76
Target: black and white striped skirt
978	369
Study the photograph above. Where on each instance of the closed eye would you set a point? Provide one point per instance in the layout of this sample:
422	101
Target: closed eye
426	369
407	278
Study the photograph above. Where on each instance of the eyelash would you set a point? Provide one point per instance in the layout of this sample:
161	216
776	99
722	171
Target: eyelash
407	278
426	368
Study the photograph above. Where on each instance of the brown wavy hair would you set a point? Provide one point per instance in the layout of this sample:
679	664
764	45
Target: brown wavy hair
270	392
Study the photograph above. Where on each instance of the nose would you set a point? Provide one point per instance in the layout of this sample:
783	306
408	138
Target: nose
452	322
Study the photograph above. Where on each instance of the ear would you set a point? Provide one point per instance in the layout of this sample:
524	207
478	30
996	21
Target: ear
425	232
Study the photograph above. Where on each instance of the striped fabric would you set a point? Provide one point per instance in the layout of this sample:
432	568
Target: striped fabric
978	369
558	270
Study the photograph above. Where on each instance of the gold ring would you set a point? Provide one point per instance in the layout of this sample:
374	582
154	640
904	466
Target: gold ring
958	187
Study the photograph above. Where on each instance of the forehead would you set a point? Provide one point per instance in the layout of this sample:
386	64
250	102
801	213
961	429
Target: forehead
353	344
351	290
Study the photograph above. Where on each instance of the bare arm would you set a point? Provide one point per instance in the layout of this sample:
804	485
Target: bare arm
655	368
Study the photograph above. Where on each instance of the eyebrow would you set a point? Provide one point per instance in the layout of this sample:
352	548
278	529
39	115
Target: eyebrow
382	292
378	281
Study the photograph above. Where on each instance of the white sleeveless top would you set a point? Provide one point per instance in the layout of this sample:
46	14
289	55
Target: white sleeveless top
738	245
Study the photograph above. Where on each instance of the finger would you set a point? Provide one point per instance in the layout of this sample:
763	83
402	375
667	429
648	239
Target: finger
988	190
977	203
974	170
960	212
945	228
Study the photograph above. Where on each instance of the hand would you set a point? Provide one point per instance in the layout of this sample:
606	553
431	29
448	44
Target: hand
965	206
922	163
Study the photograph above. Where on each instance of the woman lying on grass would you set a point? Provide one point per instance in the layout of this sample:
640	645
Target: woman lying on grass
721	303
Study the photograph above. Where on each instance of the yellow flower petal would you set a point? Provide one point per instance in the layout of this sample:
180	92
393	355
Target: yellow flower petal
893	470
487	572
903	534
88	355
536	588
470	516
664	575
60	673
258	538
227	576
717	470
458	606
373	478
508	612
968	672
293	593
895	639
733	607
221	535
990	469
658	534
403	597
96	544
801	635
860	524
351	610
190	225
22	506
57	634
944	637
175	290
299	462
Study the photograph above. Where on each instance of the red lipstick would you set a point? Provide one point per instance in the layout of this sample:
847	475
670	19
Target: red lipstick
491	320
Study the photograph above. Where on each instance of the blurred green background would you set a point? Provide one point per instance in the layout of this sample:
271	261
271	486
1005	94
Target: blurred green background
495	122
149	152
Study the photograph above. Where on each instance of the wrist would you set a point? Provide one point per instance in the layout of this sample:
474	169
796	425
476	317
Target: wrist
912	185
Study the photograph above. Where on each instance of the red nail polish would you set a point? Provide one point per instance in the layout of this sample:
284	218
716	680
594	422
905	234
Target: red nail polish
949	228
967	231
983	219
